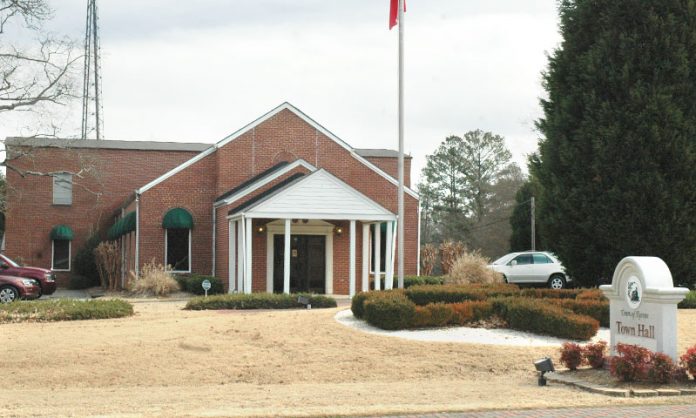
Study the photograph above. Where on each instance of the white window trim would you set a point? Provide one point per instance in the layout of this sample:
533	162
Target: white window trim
57	177
189	254
69	255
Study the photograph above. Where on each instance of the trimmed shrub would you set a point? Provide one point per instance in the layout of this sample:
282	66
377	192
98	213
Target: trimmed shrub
193	283
595	294
412	281
688	360
631	363
571	355
64	310
472	311
662	369
594	354
470	268
85	265
392	312
598	310
257	301
550	293
154	280
358	302
538	317
689	301
424	295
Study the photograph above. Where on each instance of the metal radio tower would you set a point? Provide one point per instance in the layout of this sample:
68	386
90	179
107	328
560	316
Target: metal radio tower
92	108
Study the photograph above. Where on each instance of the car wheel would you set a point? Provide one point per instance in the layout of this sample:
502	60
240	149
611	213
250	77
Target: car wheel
557	281
8	294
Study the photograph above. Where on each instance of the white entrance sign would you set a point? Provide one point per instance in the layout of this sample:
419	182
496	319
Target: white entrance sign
643	305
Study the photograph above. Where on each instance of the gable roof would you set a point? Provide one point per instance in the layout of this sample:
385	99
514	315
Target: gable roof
265	194
378	153
319	195
258	121
261	180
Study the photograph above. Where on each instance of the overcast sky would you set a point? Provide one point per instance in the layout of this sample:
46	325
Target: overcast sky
197	71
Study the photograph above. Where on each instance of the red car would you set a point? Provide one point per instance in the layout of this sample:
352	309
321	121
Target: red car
14	288
46	278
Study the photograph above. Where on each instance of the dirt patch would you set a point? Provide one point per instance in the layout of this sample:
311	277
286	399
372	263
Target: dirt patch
168	362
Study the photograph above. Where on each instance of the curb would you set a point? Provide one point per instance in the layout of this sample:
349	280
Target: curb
616	392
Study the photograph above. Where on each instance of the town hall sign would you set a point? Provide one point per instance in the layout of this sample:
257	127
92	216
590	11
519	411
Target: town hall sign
643	305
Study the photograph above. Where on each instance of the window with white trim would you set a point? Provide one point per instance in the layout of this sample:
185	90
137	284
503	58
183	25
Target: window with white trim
60	257
178	249
62	189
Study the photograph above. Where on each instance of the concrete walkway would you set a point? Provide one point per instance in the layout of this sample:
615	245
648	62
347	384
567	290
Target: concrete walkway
659	411
67	294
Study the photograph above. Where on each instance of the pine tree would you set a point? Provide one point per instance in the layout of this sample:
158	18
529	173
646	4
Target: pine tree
618	157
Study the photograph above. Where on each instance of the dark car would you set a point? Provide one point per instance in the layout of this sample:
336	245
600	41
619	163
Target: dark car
46	278
13	288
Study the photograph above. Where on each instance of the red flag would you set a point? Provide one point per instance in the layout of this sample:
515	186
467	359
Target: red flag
394	13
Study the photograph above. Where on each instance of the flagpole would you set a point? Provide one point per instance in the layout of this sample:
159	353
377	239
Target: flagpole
401	144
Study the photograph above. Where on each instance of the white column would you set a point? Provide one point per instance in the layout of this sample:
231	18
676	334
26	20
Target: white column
231	284
389	262
240	256
248	265
378	260
393	245
365	257
286	258
351	269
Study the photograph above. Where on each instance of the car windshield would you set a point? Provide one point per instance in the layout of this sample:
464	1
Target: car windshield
9	261
504	259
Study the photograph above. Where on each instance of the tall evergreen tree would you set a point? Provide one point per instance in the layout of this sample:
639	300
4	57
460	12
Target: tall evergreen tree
618	152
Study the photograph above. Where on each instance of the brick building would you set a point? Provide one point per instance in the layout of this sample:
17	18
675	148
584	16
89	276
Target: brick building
280	205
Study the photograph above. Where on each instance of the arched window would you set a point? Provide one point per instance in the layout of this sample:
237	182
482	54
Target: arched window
177	224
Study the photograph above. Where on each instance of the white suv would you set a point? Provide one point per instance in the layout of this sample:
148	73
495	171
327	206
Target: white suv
532	267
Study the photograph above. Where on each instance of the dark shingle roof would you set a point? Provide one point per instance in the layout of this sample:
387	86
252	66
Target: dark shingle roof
106	144
383	153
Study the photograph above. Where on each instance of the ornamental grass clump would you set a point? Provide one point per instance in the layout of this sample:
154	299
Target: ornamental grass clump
154	280
472	268
450	251
428	259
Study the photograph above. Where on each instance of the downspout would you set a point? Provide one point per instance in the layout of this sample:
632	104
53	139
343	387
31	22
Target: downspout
418	249
214	230
137	233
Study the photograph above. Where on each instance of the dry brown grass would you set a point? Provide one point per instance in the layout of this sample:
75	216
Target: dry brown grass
472	267
154	280
166	362
450	251
108	260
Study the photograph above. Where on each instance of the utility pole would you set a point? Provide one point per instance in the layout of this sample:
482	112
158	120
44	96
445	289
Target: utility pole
91	93
533	227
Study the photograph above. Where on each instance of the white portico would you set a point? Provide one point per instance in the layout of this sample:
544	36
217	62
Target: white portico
302	213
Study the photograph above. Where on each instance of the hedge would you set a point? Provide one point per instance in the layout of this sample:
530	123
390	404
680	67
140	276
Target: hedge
391	311
689	302
526	314
258	301
597	309
413	281
357	304
192	283
64	310
424	295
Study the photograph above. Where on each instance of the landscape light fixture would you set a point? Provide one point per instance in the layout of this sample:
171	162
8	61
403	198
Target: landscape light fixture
304	300
543	365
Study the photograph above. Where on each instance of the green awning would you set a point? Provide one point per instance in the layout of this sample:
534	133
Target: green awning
177	218
63	232
122	226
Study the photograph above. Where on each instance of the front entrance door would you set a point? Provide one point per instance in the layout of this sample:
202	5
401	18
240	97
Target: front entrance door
307	263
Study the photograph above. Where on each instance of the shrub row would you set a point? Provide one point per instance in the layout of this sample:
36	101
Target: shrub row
394	310
634	363
599	310
64	310
258	301
526	314
192	283
689	302
414	281
424	295
592	354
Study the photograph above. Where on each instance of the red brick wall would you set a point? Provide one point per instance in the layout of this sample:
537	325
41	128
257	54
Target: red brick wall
114	175
391	166
285	137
